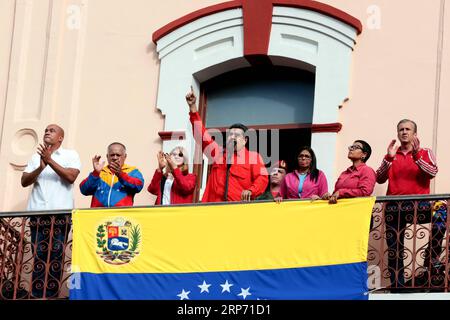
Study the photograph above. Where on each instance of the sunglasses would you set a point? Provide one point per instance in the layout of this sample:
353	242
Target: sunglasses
354	147
180	154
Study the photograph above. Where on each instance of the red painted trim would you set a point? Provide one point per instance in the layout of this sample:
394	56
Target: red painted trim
271	126
257	17
178	23
258	39
169	135
326	127
315	128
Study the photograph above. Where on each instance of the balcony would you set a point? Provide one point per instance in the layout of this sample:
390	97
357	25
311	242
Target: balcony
408	249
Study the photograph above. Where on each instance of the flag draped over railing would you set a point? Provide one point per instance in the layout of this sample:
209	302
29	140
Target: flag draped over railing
292	250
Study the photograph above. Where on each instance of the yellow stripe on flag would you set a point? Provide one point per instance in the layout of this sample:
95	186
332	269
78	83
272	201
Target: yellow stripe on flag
255	236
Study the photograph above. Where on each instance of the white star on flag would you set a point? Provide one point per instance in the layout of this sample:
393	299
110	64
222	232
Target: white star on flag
184	295
204	287
244	293
226	286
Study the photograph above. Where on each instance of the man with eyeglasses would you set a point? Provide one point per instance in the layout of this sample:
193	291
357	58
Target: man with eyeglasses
409	170
237	174
114	185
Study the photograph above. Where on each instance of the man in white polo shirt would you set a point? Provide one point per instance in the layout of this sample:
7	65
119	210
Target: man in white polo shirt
52	172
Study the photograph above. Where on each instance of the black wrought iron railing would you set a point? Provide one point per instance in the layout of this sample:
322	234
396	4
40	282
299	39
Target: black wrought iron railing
35	254
408	244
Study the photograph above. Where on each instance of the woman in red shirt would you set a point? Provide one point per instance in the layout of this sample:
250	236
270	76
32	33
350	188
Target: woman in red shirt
359	179
172	183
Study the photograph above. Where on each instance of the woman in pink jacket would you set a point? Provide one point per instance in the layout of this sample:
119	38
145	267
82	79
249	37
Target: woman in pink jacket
306	182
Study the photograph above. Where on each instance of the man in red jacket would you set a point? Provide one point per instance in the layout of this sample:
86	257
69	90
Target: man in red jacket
237	174
409	169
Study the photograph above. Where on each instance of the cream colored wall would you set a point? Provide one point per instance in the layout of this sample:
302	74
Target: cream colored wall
443	150
98	77
394	77
94	73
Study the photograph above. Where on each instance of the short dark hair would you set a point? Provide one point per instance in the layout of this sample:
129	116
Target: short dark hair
239	126
407	120
117	143
366	149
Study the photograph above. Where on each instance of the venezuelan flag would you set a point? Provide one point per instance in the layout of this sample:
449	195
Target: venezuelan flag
292	250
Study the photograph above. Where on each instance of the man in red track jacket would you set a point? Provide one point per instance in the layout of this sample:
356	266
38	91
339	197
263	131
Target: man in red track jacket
244	178
409	169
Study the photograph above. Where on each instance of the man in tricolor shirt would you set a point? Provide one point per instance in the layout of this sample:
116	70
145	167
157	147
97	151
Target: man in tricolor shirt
115	184
409	169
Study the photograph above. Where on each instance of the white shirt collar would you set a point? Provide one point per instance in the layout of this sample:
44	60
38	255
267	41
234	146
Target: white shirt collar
59	150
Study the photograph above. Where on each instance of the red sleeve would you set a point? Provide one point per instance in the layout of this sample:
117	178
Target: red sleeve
154	186
186	183
209	147
365	186
383	170
260	178
427	162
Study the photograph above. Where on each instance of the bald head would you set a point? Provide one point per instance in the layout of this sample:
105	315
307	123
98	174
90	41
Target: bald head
117	144
53	135
116	153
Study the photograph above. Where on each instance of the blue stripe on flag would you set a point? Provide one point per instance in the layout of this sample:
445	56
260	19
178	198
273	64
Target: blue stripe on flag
346	281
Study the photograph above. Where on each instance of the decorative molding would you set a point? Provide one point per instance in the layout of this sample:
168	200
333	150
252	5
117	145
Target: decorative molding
180	22
24	142
253	10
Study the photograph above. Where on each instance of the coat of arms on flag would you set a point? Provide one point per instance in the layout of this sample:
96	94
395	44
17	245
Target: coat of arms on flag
118	241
